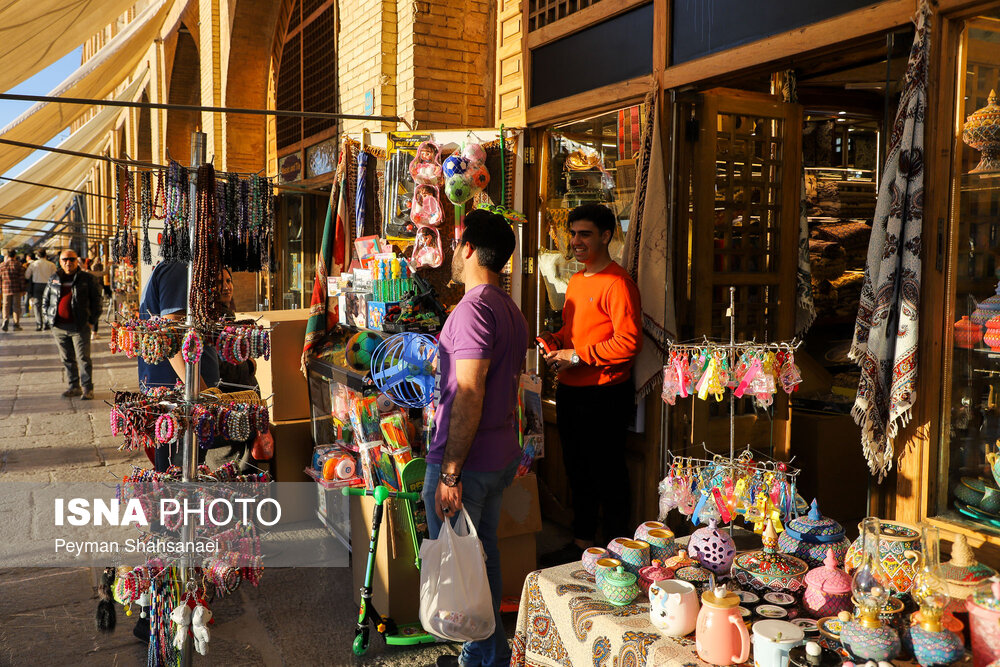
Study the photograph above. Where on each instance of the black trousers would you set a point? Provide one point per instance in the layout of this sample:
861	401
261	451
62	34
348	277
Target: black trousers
592	425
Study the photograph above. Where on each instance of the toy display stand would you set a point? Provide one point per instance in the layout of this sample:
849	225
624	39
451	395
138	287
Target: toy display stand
785	471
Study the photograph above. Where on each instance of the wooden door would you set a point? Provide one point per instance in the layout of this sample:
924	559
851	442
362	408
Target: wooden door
743	227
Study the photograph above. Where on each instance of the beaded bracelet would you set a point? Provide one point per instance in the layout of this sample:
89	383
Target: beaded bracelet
166	428
192	347
117	422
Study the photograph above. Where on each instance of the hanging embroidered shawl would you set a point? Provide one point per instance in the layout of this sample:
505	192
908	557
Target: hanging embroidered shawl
885	335
805	308
648	257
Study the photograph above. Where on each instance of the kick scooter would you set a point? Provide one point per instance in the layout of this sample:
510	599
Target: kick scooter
368	617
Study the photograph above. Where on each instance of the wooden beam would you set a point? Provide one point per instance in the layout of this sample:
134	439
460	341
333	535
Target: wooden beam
859	23
599	100
577	21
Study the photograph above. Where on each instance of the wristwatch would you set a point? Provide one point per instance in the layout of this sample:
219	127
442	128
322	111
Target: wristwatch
575	359
450	479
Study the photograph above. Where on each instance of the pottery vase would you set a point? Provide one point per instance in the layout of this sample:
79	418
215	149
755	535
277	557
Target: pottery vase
895	540
661	544
713	548
590	557
881	643
642	532
935	648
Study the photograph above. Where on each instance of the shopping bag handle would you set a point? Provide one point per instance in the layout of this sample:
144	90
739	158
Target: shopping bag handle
470	527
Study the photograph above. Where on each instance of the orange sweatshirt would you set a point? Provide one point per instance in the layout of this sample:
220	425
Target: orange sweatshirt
602	321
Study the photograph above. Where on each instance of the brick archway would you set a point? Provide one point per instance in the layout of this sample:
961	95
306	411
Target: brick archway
251	38
184	88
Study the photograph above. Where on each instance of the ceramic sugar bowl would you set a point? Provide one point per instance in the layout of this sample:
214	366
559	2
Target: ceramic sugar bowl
962	575
828	589
620	587
808	537
768	570
967	334
895	539
992	336
652	573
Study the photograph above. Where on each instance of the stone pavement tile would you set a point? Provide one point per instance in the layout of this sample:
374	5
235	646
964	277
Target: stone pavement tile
42	405
13	427
61	422
49	458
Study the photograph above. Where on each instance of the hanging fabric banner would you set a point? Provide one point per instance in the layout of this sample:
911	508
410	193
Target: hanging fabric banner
648	257
885	335
331	259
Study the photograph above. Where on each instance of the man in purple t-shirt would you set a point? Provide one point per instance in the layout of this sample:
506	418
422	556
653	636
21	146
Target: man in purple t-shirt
475	450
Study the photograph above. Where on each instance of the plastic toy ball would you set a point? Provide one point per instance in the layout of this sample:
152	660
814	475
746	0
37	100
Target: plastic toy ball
459	189
474	153
455	165
480	178
360	348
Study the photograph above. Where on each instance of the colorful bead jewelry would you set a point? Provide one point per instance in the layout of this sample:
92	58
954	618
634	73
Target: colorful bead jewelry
192	347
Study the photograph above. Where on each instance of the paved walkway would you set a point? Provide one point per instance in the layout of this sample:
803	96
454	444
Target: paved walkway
295	617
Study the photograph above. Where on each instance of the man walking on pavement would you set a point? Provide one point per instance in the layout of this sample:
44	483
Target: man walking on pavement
11	289
475	452
38	275
72	306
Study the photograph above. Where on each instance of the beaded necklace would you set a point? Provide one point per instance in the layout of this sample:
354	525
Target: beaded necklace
145	212
206	265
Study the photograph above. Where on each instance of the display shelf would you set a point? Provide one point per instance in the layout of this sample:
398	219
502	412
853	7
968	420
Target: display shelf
345	376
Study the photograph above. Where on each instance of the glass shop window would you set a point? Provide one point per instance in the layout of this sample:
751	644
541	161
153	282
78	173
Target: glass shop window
591	161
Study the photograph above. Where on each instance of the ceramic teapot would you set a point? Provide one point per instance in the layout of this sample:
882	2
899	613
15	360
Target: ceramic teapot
673	607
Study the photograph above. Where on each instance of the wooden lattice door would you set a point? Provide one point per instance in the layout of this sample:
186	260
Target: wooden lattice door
743	227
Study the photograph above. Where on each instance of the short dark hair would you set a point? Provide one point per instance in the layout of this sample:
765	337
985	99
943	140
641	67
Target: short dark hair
12	253
490	234
599	214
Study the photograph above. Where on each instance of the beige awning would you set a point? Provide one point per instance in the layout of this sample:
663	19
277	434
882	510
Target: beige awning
36	33
97	78
64	170
29	232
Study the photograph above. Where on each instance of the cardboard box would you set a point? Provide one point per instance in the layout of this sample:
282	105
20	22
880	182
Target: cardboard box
519	511
293	447
280	376
517	559
395	577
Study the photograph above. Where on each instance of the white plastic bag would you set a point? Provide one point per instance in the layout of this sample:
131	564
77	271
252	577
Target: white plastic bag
455	600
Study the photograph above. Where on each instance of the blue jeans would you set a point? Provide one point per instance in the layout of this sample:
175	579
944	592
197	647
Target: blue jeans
481	496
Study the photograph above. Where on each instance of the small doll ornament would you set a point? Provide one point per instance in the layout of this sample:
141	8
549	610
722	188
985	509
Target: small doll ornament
426	209
425	169
200	618
181	616
426	249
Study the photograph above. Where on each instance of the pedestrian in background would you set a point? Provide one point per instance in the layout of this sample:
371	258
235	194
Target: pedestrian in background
38	275
72	305
11	289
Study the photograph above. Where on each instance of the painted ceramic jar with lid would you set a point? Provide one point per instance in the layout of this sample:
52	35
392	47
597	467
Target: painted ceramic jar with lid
963	575
992	335
967	334
652	573
808	537
768	569
828	589
984	625
721	636
620	587
985	309
713	548
895	539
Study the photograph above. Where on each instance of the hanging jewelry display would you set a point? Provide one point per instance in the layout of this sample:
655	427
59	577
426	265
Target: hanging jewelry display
145	213
122	239
206	265
175	244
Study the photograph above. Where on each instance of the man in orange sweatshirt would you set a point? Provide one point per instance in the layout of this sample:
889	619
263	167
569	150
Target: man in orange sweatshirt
595	348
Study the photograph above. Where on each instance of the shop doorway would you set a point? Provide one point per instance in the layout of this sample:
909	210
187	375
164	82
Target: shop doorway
754	172
298	237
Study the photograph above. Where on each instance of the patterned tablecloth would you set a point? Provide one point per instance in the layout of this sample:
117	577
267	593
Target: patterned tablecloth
564	620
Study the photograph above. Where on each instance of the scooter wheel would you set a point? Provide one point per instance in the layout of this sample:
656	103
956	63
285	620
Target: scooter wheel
361	643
